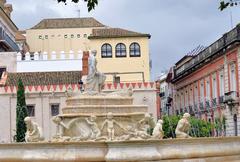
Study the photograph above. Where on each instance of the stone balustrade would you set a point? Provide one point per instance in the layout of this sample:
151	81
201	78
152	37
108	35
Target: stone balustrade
174	150
37	56
45	62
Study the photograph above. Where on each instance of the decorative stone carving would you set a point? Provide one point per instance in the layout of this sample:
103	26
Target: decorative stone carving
95	131
146	123
110	122
34	132
123	93
157	131
183	127
95	79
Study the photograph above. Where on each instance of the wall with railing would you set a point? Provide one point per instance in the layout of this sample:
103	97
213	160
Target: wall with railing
226	40
44	62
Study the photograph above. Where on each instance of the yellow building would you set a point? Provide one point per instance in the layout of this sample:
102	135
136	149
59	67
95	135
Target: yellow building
123	55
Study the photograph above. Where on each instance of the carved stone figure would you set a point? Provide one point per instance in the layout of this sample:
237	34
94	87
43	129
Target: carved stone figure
94	128
110	122
122	93
183	127
95	80
157	131
146	123
60	125
34	132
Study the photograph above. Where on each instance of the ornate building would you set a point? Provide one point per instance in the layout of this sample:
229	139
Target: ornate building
207	84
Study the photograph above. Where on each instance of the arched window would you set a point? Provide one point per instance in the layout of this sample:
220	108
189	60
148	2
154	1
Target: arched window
135	50
120	50
106	50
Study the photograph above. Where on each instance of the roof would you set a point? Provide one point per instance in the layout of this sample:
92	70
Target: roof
19	36
115	33
68	23
44	78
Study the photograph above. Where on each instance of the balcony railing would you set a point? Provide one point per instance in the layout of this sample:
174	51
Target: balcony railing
207	104
8	42
221	100
223	42
231	96
201	106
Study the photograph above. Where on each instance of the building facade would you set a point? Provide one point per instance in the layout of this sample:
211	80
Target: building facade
122	55
7	28
207	84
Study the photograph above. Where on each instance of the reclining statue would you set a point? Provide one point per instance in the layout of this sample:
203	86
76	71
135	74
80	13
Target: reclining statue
183	127
34	132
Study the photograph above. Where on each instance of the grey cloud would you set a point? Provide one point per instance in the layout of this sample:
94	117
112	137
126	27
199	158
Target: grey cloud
176	26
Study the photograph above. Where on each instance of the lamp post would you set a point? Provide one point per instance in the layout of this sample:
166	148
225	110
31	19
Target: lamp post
81	85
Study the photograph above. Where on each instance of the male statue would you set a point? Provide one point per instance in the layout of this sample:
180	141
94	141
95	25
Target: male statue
183	127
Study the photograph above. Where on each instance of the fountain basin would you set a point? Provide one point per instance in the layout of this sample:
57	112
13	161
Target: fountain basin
99	100
176	150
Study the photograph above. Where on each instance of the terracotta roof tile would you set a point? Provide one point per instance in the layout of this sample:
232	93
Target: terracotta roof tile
44	78
19	36
115	32
68	23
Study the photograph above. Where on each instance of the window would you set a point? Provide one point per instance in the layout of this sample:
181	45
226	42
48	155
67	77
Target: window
2	70
72	36
221	83
196	93
78	36
207	89
39	37
135	50
85	35
65	36
202	91
46	36
233	77
106	50
214	86
120	50
31	110
54	109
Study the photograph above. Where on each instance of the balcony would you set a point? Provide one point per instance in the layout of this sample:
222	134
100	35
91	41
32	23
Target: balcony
201	106
207	104
214	102
231	97
221	100
207	54
6	43
162	94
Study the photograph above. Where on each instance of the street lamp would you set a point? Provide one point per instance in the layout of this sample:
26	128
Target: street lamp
81	85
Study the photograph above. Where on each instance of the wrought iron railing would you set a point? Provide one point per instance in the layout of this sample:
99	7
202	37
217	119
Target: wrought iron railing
223	42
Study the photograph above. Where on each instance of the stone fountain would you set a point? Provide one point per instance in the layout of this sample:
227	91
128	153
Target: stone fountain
99	127
97	116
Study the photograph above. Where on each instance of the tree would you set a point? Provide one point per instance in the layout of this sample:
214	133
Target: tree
230	3
91	4
21	113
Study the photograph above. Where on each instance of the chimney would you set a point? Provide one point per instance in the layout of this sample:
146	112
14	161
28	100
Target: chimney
8	9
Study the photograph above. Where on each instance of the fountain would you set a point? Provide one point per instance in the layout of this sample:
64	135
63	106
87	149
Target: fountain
97	127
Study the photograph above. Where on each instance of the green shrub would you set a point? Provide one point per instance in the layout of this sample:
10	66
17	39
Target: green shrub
199	128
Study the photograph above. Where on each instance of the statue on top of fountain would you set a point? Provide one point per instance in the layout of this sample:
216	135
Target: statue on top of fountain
94	82
95	79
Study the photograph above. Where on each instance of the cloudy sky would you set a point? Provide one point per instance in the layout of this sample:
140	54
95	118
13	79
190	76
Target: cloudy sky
176	26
